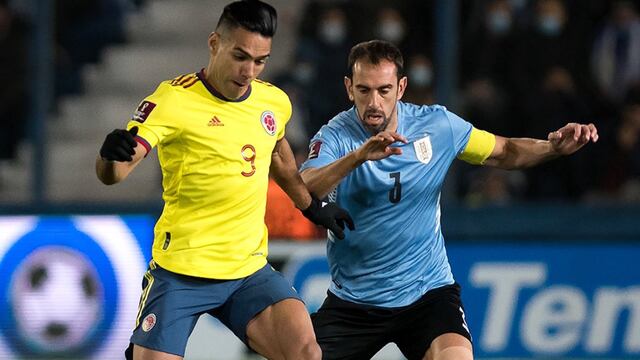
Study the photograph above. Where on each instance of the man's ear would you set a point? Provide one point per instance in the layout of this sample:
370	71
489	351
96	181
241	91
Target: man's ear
402	86
347	85
214	42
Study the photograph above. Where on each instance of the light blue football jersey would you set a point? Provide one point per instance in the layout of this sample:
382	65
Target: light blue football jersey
396	254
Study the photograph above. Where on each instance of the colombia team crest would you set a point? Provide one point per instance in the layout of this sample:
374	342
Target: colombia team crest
268	121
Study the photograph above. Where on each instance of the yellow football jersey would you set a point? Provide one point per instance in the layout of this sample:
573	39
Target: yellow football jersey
215	155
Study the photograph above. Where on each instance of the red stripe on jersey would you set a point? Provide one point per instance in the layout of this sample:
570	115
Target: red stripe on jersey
144	143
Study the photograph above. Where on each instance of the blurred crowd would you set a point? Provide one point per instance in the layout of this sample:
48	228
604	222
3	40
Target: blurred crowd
526	67
81	31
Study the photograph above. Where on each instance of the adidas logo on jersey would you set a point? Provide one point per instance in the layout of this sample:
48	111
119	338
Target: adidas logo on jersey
215	122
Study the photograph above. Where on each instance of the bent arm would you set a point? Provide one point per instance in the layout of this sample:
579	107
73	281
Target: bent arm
113	172
284	171
321	181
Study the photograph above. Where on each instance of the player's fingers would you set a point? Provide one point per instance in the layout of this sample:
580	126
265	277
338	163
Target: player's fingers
594	132
398	137
129	136
348	220
388	138
121	154
337	231
586	134
577	131
394	150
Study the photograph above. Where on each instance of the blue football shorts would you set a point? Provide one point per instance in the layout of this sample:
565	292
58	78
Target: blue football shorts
171	304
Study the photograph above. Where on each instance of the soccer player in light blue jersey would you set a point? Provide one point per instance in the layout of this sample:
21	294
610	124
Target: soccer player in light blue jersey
385	161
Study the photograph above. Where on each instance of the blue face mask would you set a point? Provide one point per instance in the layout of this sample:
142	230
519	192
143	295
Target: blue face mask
549	25
499	22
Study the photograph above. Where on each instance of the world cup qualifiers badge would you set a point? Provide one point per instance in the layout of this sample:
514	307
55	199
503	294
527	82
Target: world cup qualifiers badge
268	120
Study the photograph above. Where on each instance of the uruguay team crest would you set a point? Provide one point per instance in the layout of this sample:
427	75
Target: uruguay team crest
268	121
423	149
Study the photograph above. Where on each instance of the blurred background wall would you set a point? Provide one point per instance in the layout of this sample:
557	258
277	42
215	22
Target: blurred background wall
562	236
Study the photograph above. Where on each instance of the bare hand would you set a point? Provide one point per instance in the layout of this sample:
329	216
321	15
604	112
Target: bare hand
571	137
377	147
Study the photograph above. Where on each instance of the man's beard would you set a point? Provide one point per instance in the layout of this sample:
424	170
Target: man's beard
377	128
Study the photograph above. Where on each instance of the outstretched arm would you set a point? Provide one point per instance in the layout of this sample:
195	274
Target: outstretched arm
322	180
516	153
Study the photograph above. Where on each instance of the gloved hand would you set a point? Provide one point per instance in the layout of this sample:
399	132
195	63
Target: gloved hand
329	215
119	145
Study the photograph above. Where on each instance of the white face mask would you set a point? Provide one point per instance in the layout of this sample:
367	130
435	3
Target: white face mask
550	25
391	30
304	73
332	32
499	22
420	75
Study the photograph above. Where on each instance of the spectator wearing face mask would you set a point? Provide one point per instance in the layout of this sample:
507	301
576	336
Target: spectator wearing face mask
420	87
391	26
319	63
550	42
489	70
615	60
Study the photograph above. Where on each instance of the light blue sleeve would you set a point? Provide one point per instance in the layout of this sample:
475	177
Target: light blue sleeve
323	149
460	129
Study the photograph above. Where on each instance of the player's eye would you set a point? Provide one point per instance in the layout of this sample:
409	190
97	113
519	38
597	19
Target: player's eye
239	57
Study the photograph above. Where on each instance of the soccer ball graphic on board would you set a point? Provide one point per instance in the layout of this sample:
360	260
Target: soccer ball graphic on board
56	298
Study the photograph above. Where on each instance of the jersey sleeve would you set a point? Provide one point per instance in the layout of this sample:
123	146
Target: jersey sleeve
471	145
152	117
323	149
286	116
461	130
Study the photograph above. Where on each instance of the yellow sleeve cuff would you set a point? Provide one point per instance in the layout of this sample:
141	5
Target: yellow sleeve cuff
479	147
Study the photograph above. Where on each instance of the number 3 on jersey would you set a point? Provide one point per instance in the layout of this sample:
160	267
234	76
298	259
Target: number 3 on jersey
248	153
396	192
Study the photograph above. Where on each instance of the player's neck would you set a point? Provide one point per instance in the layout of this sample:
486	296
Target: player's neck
393	122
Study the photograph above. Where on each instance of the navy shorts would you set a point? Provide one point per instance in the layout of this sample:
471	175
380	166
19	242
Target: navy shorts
171	304
350	331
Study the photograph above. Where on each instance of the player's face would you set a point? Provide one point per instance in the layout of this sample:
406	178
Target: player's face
375	90
238	56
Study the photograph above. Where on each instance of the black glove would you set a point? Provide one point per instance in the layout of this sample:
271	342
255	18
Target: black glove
331	216
119	145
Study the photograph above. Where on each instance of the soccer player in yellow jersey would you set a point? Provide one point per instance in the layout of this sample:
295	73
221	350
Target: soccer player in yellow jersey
220	134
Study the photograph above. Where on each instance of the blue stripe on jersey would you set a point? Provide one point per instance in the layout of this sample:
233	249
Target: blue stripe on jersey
397	253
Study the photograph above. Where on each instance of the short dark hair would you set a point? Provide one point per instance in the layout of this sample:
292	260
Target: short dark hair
252	15
375	51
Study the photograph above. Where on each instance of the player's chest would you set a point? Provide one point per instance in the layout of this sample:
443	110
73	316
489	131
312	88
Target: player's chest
226	128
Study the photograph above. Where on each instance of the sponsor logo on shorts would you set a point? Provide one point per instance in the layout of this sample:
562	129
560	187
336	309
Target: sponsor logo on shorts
149	322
